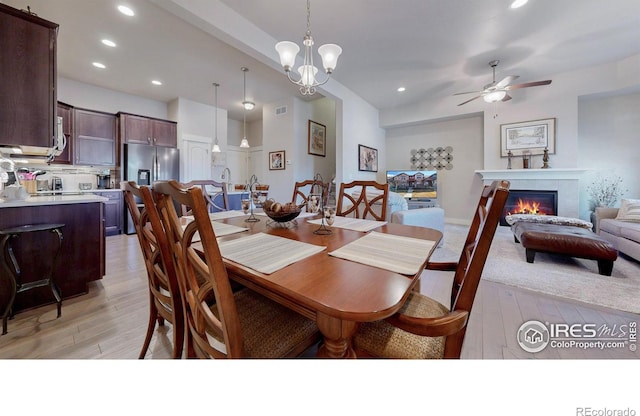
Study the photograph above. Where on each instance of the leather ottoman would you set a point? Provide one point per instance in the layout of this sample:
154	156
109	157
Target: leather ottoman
567	240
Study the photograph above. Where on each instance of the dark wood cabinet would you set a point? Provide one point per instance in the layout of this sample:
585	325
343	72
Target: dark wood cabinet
66	112
113	212
94	140
139	129
28	79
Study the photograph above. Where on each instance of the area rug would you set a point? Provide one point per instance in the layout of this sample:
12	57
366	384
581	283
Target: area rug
556	275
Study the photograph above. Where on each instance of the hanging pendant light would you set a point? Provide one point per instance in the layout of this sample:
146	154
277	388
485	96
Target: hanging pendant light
288	52
216	146
245	143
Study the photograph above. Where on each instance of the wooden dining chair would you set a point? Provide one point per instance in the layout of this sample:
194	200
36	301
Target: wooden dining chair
362	199
231	324
424	328
304	189
215	194
165	302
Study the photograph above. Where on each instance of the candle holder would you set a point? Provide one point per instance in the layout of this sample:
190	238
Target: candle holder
318	182
250	189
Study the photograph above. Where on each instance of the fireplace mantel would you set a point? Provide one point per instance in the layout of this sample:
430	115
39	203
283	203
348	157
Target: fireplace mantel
531	174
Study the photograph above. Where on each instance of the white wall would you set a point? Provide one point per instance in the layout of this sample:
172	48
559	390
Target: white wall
458	188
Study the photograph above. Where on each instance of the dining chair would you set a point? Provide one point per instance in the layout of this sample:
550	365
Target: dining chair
361	199
165	302
232	324
425	328
215	194
304	189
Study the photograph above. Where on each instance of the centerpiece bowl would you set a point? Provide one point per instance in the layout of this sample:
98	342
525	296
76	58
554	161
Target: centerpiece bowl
280	212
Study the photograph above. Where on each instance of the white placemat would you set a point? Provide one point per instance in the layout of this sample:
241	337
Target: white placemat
404	255
266	253
355	224
219	215
219	228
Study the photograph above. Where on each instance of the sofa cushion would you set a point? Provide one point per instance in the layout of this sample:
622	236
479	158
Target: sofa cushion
631	232
611	226
629	210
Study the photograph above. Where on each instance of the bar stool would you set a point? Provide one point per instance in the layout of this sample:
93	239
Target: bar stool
11	270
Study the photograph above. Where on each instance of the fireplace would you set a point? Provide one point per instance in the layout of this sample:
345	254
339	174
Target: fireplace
530	202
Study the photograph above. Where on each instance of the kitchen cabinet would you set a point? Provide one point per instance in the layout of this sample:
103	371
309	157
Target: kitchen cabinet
113	211
28	79
66	112
94	140
146	130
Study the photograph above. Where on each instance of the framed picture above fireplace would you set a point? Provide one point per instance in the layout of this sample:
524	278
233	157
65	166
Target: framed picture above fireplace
530	137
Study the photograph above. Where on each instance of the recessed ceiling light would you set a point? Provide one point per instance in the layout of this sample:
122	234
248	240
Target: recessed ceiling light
401	89
156	82
518	3
109	43
125	10
99	65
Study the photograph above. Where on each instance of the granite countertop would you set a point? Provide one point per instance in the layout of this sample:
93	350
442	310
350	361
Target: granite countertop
52	200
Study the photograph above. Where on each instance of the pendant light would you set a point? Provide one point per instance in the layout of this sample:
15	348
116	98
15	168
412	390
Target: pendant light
216	146
245	143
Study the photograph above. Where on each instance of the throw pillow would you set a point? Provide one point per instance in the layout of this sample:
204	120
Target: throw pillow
547	219
629	210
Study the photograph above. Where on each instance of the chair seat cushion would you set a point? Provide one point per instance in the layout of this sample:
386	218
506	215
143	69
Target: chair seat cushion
269	329
382	339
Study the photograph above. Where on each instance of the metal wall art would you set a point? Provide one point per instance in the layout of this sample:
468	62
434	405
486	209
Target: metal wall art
432	158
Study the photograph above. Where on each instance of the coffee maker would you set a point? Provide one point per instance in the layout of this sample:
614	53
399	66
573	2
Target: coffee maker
104	181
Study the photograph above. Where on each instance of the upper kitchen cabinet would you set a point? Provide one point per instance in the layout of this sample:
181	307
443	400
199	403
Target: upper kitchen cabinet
27	79
65	111
94	140
147	130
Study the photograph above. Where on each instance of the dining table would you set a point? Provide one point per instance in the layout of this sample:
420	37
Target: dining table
335	292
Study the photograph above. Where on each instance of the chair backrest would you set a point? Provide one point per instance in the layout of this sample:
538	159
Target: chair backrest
214	193
304	189
158	258
363	199
474	255
202	278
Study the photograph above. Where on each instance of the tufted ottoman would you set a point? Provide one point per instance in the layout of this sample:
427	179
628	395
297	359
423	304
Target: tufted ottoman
567	240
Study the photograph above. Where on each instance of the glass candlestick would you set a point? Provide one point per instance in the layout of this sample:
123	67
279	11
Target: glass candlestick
322	230
251	191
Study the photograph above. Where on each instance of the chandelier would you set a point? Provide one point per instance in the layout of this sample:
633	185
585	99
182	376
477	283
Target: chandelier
288	52
216	146
247	105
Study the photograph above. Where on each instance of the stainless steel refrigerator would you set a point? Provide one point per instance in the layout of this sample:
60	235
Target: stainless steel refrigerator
145	164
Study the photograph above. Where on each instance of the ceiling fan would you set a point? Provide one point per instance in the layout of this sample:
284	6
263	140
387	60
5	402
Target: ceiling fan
497	91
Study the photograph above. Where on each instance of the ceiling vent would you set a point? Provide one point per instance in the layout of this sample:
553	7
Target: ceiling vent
281	110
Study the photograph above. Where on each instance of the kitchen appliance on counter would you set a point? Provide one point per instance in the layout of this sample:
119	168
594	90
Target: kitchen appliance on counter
145	164
104	181
56	183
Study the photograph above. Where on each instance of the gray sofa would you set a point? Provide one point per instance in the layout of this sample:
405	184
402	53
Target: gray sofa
624	235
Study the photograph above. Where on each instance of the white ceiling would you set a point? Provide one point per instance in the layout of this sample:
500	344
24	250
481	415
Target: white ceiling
431	47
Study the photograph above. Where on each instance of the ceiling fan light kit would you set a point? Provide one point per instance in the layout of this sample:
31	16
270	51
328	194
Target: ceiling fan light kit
288	52
497	91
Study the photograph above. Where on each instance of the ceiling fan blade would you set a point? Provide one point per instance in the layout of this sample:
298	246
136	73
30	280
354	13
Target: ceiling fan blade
506	98
468	92
507	80
527	84
468	101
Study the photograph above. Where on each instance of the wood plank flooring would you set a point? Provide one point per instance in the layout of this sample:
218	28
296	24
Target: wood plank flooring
110	321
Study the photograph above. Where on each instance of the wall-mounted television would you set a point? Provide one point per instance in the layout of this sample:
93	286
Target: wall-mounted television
414	185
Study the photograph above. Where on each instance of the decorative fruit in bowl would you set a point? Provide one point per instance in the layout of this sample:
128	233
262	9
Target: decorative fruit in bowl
280	212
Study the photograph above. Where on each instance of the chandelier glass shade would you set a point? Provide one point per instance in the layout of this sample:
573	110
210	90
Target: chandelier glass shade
288	52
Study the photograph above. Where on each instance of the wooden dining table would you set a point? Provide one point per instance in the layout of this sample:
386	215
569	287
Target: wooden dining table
336	293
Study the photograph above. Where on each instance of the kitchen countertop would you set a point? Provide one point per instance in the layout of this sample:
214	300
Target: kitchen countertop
53	200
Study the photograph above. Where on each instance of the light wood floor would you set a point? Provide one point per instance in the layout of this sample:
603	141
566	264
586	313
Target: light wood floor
110	321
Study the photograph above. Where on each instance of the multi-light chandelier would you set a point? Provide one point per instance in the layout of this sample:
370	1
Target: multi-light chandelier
216	146
288	52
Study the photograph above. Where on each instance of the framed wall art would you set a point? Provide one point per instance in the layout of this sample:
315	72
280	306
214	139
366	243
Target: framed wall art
367	158
317	139
276	160
530	137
